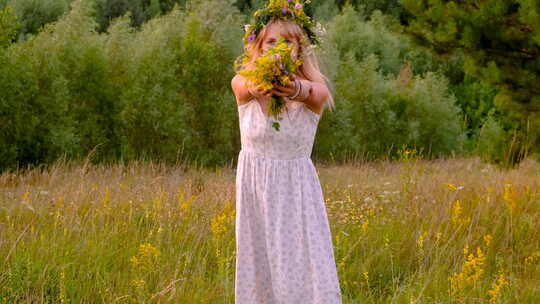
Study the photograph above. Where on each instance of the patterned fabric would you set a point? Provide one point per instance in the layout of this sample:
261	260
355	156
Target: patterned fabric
284	251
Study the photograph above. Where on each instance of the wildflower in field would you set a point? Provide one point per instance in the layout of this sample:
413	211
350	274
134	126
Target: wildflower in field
185	204
138	284
510	197
438	236
217	224
62	287
420	240
451	186
223	222
365	225
532	259
366	277
497	286
25	196
487	239
407	154
222	226
105	202
420	245
146	257
457	211
471	272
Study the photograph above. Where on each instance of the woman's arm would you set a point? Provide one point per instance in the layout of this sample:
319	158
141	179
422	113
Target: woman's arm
243	93
240	90
313	94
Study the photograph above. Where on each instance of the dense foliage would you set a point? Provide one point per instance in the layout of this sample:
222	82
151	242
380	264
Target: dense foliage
500	40
126	94
123	80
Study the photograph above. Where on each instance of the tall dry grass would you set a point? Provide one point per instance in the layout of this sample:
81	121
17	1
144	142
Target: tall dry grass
414	231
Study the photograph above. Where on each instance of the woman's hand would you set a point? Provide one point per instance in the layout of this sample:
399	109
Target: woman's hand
258	92
285	91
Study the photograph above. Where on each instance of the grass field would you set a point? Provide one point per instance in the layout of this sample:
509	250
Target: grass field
413	231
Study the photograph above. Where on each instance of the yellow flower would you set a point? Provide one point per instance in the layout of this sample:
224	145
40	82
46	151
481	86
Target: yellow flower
471	272
134	260
533	258
510	197
487	239
456	211
145	258
420	240
365	225
451	186
438	236
138	284
497	286
366	276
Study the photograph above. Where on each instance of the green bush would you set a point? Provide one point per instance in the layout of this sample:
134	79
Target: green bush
58	93
379	109
351	33
8	26
34	14
491	140
160	92
428	112
175	99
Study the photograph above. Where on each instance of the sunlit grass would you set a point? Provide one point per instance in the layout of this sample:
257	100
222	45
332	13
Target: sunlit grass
414	231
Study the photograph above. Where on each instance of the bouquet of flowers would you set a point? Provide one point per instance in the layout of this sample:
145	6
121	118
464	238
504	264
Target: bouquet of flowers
276	66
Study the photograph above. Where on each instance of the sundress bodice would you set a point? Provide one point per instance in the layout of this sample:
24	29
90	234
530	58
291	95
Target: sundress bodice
294	139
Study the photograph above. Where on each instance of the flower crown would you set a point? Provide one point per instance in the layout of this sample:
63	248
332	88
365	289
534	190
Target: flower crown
289	10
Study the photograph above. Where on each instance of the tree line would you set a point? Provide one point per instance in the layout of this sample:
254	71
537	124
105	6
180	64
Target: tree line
129	79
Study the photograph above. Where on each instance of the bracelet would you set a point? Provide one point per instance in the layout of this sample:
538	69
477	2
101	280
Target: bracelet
308	92
298	84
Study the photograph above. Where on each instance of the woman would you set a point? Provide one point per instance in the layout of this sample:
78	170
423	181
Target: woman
284	251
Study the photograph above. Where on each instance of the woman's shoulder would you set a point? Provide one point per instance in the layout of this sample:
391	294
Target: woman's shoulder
237	81
238	85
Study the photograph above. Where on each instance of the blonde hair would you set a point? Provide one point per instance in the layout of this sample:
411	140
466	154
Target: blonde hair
309	70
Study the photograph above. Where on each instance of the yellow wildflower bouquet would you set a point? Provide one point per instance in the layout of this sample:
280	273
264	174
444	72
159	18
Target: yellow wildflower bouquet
276	66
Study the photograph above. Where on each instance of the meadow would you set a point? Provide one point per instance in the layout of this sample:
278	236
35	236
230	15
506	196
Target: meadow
453	230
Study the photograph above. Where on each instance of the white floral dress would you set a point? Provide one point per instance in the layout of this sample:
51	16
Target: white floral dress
284	251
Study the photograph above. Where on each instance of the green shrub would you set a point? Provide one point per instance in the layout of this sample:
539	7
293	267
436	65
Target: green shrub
351	33
8	26
107	10
428	112
500	145
58	92
34	14
176	101
379	108
378	114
